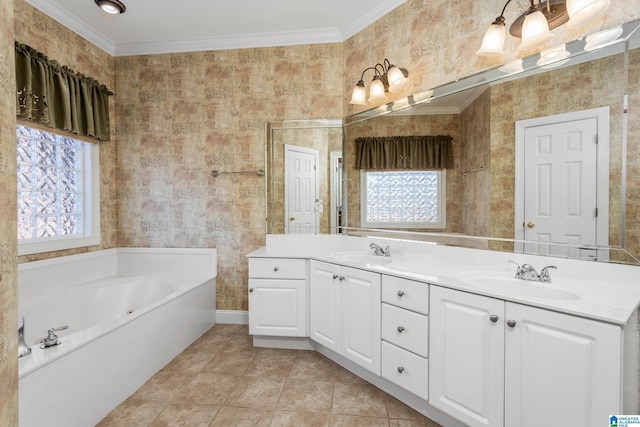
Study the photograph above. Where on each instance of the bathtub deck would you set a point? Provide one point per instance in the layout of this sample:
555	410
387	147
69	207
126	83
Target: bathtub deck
222	380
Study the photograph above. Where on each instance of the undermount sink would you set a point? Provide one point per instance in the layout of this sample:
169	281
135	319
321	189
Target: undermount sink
517	287
360	257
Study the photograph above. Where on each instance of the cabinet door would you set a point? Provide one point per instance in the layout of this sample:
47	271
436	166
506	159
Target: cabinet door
360	317
277	307
466	356
560	369
324	304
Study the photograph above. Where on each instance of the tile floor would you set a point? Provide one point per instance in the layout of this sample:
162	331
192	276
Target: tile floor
222	380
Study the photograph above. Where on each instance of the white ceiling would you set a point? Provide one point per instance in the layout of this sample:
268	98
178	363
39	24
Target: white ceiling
163	26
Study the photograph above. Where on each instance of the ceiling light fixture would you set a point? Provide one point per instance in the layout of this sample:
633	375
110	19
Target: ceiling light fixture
387	78
112	7
535	24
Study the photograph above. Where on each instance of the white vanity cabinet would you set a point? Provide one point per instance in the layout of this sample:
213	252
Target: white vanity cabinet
278	297
405	334
344	312
496	363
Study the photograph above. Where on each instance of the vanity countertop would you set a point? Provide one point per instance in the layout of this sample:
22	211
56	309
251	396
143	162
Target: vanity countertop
599	291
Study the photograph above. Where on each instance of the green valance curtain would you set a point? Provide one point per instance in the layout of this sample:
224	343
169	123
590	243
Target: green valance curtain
56	96
404	152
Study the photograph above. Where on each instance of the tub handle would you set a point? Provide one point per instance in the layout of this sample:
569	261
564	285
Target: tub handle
52	339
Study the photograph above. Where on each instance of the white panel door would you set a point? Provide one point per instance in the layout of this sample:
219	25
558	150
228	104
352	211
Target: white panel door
324	304
466	352
301	190
360	317
563	169
561	370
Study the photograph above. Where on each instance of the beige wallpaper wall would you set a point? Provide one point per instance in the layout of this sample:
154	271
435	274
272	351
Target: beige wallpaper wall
8	225
181	116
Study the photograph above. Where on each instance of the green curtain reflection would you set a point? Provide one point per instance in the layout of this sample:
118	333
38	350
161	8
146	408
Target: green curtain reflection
58	97
404	152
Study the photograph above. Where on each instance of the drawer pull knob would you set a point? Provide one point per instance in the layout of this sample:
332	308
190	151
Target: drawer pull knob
250	289
400	293
275	269
335	276
511	323
493	318
400	329
400	369
342	278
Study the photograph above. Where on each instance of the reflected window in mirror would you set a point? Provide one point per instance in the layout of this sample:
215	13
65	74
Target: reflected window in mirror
403	199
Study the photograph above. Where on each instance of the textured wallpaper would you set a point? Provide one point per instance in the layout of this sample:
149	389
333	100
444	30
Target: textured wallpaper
8	224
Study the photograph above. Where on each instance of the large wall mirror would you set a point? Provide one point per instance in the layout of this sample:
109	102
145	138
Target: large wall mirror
508	179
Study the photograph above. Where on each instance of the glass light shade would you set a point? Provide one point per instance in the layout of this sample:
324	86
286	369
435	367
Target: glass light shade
493	41
376	91
397	80
583	11
535	31
603	38
359	95
553	57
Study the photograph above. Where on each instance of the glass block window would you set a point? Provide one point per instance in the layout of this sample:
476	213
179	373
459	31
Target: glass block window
54	187
403	199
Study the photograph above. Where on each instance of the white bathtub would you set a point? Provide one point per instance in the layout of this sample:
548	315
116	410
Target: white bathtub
129	312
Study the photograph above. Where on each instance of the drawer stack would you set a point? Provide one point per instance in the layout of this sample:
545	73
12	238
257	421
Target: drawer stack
405	334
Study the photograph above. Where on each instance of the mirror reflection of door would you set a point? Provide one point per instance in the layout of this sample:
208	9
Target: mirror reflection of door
301	189
565	174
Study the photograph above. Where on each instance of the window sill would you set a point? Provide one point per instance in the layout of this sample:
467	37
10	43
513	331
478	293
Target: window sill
28	248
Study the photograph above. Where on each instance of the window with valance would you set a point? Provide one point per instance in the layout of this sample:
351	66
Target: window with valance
404	152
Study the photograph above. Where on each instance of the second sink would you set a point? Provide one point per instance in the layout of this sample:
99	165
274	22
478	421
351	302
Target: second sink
517	287
360	257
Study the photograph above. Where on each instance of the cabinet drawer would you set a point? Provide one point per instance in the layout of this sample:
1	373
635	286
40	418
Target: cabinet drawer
406	293
406	329
277	268
405	369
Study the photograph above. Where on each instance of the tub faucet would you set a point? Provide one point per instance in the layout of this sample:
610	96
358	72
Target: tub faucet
23	348
52	339
378	250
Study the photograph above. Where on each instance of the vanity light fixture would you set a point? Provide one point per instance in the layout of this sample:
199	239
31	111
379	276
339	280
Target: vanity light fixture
112	7
535	24
387	78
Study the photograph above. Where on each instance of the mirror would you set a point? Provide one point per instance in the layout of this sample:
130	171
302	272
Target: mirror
304	176
482	113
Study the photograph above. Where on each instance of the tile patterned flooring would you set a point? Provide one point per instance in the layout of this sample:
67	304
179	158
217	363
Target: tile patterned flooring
222	380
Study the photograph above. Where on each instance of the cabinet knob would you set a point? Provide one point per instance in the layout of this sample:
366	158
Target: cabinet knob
400	293
493	318
335	276
275	269
342	278
400	369
400	329
250	289
511	323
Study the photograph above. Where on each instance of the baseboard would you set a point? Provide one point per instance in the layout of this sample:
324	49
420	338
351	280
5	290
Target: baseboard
234	317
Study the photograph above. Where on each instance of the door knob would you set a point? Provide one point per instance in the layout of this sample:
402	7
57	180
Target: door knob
250	289
292	218
531	224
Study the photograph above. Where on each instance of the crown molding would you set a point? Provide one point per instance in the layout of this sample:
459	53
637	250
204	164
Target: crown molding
243	41
55	12
368	17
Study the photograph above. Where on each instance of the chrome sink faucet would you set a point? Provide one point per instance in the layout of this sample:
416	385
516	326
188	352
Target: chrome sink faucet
527	272
378	250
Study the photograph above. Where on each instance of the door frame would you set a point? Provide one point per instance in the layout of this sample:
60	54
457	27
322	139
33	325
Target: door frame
602	116
316	154
335	188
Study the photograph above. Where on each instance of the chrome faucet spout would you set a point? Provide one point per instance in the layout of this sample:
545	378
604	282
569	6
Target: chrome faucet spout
23	348
527	272
378	250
